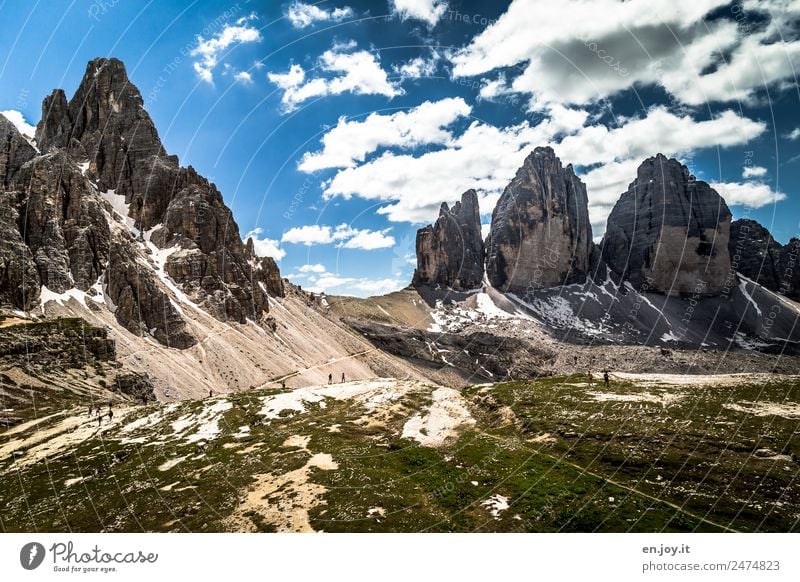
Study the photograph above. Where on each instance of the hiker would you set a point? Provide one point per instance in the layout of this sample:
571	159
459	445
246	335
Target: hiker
99	420
110	415
210	393
283	383
589	377
605	378
343	380
330	378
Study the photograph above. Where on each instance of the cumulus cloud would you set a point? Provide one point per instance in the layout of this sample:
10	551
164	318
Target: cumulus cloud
486	157
794	134
350	141
586	51
356	72
209	50
317	279
344	235
265	247
753	172
315	268
418	67
243	77
19	122
428	11
302	15
749	194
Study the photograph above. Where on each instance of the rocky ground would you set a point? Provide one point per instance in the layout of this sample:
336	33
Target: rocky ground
646	453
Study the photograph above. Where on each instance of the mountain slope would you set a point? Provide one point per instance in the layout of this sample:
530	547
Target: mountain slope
101	223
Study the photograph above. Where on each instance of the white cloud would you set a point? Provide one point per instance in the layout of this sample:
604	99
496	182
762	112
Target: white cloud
577	52
244	77
794	134
753	172
428	11
358	286
302	15
308	235
350	141
209	50
370	240
19	122
358	72
418	67
315	268
485	157
265	247
749	194
347	237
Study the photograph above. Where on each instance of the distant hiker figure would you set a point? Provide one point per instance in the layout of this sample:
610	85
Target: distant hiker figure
110	415
589	377
605	378
210	393
283	383
343	378
99	420
330	378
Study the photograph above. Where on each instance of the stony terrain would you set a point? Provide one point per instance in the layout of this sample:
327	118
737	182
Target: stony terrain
646	453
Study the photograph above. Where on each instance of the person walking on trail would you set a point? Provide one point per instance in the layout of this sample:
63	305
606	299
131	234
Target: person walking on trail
330	378
211	394
590	378
110	415
605	378
343	380
99	420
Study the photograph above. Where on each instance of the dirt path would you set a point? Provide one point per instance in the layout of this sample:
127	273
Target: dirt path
315	367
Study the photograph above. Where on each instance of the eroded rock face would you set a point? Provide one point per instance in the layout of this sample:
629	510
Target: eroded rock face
758	256
14	151
450	252
58	229
754	253
540	235
139	302
63	222
669	232
790	270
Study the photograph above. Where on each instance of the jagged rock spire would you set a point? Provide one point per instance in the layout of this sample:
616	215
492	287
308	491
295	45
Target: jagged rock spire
540	235
669	232
450	252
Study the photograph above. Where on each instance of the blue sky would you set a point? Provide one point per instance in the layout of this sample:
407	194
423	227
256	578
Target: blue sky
335	129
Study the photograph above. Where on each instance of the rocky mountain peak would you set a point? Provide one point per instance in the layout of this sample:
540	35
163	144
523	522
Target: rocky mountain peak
103	199
669	232
450	252
540	235
14	151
